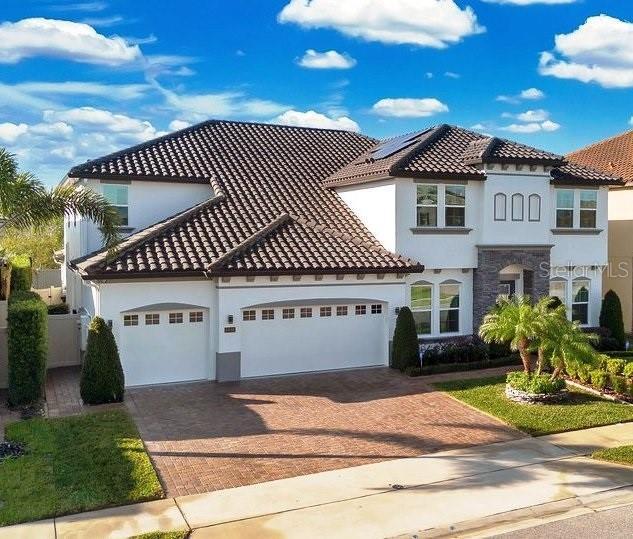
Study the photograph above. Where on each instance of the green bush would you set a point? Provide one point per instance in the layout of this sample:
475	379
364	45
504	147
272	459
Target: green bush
615	366
458	351
619	385
540	384
58	308
584	374
471	366
21	273
628	370
599	379
101	374
572	370
27	324
406	348
413	371
611	317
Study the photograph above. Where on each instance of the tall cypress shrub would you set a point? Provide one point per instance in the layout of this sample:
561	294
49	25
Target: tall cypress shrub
406	348
27	323
611	317
102	377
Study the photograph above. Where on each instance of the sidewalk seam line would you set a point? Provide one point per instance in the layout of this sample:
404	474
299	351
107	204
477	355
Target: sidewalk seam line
183	514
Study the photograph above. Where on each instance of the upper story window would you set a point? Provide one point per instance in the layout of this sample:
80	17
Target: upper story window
588	208
455	205
427	205
517	207
117	195
534	207
564	208
500	206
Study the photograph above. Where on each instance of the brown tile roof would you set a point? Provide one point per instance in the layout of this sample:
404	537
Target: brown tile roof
270	213
447	151
613	156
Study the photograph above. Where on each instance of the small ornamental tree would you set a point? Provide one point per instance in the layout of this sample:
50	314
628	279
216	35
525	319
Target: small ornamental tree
102	377
406	348
611	317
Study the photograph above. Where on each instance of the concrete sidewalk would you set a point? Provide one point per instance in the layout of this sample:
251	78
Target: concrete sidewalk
431	495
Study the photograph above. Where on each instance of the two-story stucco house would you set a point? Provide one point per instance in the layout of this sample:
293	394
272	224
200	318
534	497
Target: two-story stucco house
260	249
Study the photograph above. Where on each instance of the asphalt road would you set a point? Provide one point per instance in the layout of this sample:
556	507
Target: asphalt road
611	524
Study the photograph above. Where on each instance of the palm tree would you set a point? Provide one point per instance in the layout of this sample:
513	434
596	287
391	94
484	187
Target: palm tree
513	320
26	202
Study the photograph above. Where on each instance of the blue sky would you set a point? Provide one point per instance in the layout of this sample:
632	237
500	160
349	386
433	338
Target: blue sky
82	78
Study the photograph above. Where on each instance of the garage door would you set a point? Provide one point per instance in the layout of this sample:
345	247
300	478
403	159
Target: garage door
168	345
291	338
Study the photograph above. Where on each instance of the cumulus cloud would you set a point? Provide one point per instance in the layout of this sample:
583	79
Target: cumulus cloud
10	132
54	38
177	125
600	50
409	107
427	23
538	115
326	60
529	94
532	127
312	118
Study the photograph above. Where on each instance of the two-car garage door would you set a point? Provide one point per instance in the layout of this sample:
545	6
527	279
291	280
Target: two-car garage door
296	336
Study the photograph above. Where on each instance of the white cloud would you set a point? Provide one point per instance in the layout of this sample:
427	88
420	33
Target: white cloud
452	75
529	94
90	117
532	127
326	60
54	129
81	6
530	2
409	107
110	91
312	118
62	39
429	74
600	50
10	132
177	125
538	115
427	23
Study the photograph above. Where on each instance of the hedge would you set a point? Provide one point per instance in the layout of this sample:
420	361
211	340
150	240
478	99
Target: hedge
406	347
611	317
474	365
21	273
27	323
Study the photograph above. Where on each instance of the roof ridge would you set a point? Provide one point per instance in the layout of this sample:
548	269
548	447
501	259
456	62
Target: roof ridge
248	242
600	142
426	140
145	234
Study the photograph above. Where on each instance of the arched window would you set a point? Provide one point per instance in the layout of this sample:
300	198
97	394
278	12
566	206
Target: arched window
517	207
534	207
500	207
580	300
422	306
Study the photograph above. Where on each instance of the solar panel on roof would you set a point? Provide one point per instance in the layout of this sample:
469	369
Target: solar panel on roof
394	145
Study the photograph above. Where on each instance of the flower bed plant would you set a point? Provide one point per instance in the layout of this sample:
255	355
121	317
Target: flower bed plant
534	388
614	376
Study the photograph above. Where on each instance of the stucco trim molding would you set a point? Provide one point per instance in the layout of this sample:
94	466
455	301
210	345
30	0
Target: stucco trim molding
440	230
514	247
577	231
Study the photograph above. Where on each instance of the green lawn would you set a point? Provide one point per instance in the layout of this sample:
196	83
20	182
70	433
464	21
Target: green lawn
580	412
74	464
620	455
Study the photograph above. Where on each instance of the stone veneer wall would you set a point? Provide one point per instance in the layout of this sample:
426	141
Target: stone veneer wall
493	259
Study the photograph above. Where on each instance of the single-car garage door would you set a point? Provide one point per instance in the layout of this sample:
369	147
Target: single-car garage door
164	343
309	336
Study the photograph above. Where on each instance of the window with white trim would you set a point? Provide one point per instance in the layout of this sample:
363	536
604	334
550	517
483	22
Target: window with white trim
558	289
564	208
427	205
580	301
422	306
517	207
534	207
501	201
130	319
117	195
325	311
268	314
196	316
152	319
305	312
287	313
341	310
175	318
449	308
249	315
455	205
588	208
360	309
376	309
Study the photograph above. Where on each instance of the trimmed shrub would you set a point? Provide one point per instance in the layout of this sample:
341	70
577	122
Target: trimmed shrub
413	371
458	351
457	367
406	348
498	350
58	308
611	317
539	384
615	366
21	273
628	370
27	324
554	303
101	374
584	374
619	385
599	379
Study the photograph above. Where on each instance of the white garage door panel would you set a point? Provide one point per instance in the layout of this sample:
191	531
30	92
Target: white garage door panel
312	344
162	353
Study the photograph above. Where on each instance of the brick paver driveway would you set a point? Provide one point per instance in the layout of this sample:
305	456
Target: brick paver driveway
209	436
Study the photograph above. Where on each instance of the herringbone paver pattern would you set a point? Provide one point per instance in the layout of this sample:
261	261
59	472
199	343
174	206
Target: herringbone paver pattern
209	436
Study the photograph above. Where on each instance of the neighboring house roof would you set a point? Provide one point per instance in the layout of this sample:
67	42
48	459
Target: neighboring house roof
446	151
613	155
270	213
